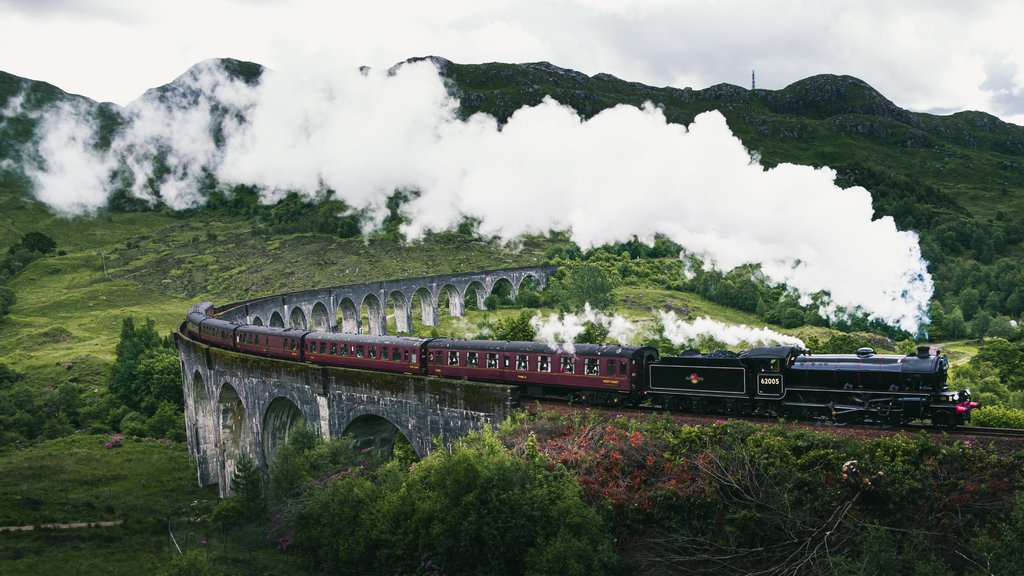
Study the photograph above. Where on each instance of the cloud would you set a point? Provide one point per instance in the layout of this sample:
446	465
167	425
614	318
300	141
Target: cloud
625	172
73	178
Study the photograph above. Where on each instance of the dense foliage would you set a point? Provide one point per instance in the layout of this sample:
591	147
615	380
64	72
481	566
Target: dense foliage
734	498
476	509
139	395
587	493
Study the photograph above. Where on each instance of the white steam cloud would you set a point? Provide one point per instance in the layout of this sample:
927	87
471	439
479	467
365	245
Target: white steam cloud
624	172
681	332
563	330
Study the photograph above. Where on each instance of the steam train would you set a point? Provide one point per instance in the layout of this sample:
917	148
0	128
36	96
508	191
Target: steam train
783	381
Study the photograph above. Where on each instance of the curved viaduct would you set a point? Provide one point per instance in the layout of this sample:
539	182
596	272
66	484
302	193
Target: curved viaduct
238	403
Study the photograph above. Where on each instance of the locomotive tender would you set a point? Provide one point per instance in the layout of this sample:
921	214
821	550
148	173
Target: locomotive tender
782	381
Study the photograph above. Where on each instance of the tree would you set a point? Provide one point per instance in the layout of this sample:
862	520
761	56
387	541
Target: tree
7	300
247	485
980	324
38	242
580	283
125	381
515	328
970	302
955	326
158	379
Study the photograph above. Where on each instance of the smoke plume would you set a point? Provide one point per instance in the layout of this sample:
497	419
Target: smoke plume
688	333
624	172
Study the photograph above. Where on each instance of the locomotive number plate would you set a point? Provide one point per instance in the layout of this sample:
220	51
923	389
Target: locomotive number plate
769	384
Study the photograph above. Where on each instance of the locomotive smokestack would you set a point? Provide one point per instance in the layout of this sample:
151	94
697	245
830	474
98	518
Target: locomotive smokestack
923	351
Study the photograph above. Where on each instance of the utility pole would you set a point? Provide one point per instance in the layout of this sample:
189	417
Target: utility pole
103	259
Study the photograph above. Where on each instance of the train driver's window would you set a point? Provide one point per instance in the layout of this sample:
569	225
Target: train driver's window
472	359
492	360
521	362
453	358
592	366
568	365
544	363
773	365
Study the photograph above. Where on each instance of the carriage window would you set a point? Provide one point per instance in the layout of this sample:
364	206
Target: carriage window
593	367
492	360
414	357
359	351
344	349
505	361
544	363
521	362
334	348
383	352
405	356
568	364
453	358
291	344
622	368
372	351
396	354
323	347
611	367
472	359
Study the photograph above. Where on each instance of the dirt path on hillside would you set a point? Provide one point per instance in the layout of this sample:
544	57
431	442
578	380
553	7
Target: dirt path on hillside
63	526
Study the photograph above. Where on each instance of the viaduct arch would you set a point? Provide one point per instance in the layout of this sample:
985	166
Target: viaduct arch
340	308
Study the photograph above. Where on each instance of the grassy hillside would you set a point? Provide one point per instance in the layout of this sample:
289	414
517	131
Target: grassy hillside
76	479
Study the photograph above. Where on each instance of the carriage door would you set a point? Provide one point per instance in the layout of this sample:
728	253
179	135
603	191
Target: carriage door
769	377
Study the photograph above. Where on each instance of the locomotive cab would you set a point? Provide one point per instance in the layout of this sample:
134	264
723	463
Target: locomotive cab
769	365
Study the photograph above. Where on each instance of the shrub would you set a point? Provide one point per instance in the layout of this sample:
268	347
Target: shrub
998	417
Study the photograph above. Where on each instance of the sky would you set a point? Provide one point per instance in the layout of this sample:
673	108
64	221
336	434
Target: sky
931	56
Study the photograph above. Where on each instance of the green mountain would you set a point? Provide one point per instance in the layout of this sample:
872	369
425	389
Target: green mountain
956	179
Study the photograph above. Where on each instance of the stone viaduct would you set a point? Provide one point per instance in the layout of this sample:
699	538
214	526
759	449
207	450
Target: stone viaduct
238	403
339	309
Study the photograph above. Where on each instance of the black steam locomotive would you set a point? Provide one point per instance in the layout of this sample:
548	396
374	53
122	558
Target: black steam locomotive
782	381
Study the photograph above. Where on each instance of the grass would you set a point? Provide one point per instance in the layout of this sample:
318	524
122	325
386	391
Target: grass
77	479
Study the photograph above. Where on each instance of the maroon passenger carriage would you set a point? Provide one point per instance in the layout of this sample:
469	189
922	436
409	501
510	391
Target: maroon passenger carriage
269	341
387	353
597	374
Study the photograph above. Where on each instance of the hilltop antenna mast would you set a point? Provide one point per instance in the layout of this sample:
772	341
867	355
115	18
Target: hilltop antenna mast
753	81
